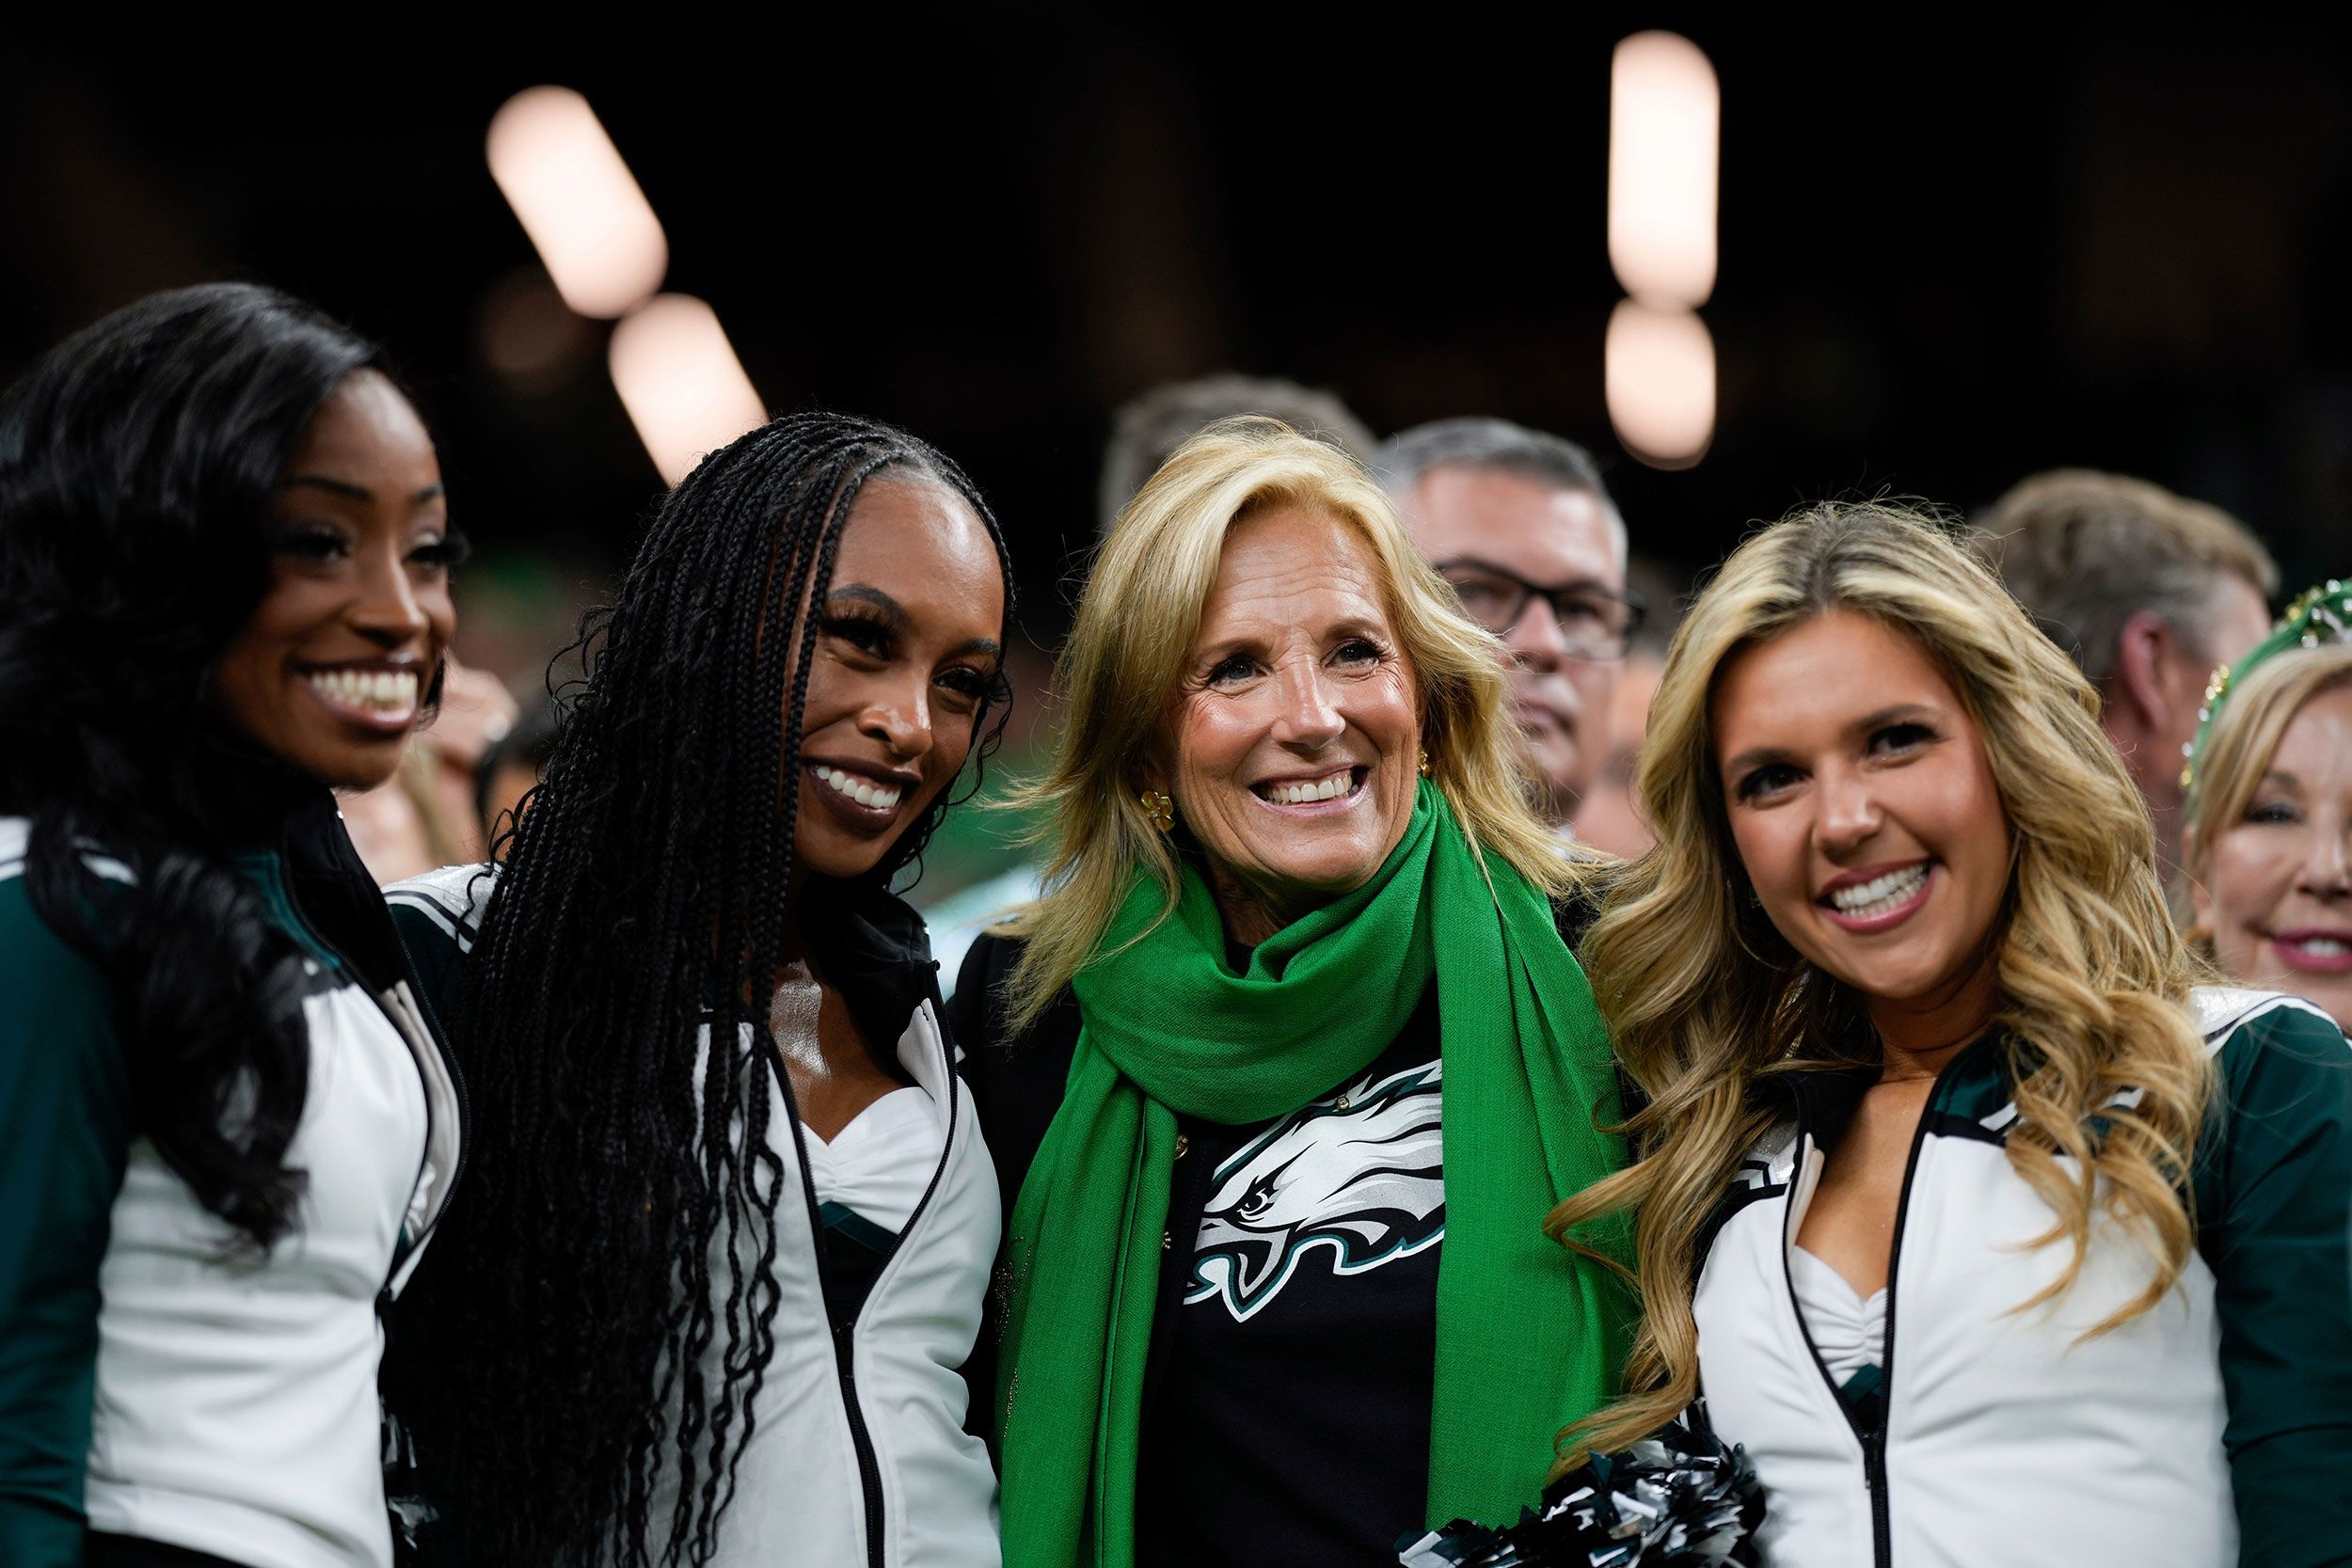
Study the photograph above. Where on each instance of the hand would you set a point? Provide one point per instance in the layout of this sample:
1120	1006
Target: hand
476	709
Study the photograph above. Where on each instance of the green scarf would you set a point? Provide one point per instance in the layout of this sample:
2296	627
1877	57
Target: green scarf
1529	1335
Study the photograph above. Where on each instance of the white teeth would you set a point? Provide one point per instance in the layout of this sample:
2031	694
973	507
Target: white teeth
878	797
2325	947
389	690
1880	894
1331	788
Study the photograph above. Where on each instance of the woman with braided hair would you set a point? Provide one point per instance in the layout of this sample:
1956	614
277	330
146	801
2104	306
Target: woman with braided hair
735	1219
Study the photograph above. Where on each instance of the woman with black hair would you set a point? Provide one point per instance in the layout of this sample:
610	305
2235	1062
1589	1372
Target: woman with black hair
226	1125
729	1223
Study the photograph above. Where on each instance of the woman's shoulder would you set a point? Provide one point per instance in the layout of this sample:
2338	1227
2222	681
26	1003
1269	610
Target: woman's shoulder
60	1062
994	951
437	916
981	1000
36	954
448	901
1017	1078
2276	1056
2280	1133
2254	1034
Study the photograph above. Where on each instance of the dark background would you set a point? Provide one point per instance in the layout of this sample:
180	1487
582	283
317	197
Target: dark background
1951	255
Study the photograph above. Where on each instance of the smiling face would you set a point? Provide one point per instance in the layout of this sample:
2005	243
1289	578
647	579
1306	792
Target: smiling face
1295	732
2276	893
331	669
1864	812
907	648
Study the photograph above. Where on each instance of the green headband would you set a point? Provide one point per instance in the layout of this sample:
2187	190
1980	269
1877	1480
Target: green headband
2324	614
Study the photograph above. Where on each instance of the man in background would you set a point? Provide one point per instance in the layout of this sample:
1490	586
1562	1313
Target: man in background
1148	429
1610	818
1520	524
2148	591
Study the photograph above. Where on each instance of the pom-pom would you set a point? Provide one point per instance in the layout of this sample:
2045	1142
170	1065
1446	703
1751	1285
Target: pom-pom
1679	1500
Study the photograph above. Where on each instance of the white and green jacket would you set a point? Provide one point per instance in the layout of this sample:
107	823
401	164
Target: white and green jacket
154	1381
857	1451
2213	1429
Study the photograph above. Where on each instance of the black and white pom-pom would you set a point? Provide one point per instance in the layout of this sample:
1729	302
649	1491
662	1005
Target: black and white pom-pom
1680	1500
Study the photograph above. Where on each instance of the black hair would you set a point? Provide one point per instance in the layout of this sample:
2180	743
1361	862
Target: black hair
531	741
136	464
567	1310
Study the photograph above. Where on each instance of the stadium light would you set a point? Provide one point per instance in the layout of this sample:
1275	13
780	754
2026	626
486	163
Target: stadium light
678	378
577	201
1665	115
1660	379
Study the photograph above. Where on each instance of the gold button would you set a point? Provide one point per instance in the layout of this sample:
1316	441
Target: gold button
1183	1144
1339	1105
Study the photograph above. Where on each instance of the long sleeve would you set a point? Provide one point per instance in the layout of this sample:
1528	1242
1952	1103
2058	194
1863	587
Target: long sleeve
65	1119
2275	1223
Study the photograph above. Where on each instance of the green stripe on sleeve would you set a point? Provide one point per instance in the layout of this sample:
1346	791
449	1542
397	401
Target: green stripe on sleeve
65	1119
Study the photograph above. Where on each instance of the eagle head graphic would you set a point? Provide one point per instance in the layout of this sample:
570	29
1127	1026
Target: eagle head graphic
1365	1184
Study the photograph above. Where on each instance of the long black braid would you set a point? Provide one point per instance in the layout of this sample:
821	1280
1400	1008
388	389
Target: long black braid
554	1368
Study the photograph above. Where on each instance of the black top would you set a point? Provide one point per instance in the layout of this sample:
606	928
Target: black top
1290	1422
1287	1395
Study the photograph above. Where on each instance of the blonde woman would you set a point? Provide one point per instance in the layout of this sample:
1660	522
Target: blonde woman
2266	861
1299	918
1925	1067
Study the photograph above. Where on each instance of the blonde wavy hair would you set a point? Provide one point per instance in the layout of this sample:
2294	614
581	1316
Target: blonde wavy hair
1119	672
1706	1000
2237	753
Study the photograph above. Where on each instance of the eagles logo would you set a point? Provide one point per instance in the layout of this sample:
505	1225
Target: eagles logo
1366	1183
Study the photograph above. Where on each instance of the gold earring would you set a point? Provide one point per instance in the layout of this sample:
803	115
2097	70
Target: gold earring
1424	762
1160	809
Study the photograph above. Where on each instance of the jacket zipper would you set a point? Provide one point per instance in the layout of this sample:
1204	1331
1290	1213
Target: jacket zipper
438	1033
436	1037
1873	1445
844	1338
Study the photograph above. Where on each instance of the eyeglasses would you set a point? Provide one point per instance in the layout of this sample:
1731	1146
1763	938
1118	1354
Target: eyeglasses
1594	622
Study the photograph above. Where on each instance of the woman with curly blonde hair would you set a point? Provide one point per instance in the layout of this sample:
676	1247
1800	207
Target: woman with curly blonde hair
1989	1232
2266	861
1285	1068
